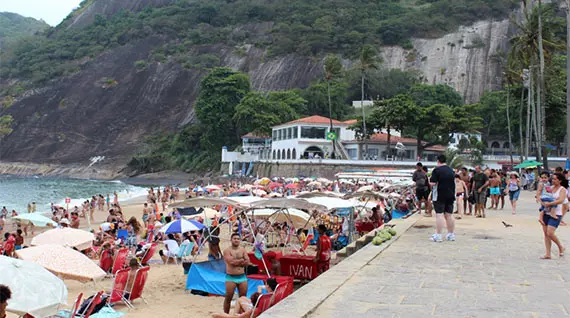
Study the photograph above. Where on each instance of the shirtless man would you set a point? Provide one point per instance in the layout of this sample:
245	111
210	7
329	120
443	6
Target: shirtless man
464	175
146	212
494	185
236	260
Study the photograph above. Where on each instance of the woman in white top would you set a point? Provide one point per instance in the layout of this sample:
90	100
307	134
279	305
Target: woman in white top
550	224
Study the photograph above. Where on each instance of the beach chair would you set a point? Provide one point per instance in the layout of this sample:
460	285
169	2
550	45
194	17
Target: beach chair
120	260
119	286
278	294
149	254
150	236
184	251
94	302
106	261
263	303
303	248
138	286
72	312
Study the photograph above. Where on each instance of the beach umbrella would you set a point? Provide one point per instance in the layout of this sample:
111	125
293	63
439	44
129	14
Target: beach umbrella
275	195
181	226
365	188
63	261
212	187
66	236
35	290
324	180
36	219
274	185
528	164
291	186
314	184
198	189
259	192
207	213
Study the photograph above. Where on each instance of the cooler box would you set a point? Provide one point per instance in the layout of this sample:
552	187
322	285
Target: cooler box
298	266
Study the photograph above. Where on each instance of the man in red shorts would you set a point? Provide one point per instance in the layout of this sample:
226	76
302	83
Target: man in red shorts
323	256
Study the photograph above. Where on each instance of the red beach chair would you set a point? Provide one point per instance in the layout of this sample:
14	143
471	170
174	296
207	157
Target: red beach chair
138	286
71	313
119	286
106	261
278	294
120	260
95	301
263	303
149	254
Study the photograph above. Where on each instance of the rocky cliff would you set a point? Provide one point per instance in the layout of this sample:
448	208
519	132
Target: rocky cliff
108	107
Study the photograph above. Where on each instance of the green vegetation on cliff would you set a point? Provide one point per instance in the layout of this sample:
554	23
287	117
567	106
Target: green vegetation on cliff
14	26
290	26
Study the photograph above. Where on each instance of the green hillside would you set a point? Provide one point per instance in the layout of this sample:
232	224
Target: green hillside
306	27
14	26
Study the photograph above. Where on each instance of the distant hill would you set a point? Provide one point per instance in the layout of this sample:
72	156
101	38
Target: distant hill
14	26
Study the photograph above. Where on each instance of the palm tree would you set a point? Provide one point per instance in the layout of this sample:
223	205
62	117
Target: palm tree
333	68
453	159
541	107
368	60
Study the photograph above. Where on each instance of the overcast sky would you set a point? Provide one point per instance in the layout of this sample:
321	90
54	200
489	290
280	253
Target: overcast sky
51	11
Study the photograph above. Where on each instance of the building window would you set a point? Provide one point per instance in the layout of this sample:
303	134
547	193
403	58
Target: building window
295	129
506	145
495	144
288	153
273	154
274	134
294	154
288	133
283	154
313	132
352	154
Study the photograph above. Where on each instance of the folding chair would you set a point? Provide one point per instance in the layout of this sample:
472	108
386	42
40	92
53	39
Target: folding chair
149	254
122	235
95	301
138	286
120	260
106	261
73	311
119	287
278	294
263	303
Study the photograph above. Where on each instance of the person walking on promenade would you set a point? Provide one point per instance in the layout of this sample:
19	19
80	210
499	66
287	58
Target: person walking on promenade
443	195
549	223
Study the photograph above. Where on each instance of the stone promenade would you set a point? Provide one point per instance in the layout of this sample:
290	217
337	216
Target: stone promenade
490	271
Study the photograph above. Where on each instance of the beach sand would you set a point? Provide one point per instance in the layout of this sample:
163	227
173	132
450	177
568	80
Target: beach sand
165	287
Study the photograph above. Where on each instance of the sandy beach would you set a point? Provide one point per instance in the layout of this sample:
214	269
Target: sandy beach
165	287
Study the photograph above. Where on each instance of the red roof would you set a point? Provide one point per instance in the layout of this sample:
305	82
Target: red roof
381	138
316	119
351	121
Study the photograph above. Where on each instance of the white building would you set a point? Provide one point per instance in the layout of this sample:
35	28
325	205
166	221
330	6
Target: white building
307	138
456	137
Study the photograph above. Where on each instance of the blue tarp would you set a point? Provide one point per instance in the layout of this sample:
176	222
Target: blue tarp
210	277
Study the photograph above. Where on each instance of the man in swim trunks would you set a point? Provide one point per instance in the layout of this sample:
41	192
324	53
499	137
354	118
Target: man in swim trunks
480	181
146	212
236	260
495	190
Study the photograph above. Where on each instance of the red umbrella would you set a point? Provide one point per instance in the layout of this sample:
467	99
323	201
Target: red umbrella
291	186
274	185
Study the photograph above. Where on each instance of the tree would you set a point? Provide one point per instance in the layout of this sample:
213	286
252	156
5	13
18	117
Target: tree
6	122
367	60
317	99
453	159
257	113
398	113
333	68
220	92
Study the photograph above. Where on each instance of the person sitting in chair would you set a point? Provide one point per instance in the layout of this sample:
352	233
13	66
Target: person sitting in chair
133	266
243	307
269	286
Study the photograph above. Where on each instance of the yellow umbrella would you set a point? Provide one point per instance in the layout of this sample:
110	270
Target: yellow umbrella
264	181
79	239
63	262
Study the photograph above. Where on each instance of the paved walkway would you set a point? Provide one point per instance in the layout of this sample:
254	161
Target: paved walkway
490	271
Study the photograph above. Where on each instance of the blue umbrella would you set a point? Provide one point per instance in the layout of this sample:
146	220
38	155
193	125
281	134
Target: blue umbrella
182	226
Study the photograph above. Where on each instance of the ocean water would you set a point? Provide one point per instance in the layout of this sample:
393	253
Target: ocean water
16	192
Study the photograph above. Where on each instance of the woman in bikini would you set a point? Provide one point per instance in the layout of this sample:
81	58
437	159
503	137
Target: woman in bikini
549	223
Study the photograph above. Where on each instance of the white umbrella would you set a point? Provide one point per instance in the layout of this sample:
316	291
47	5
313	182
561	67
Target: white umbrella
79	239
298	217
275	195
314	184
365	188
36	219
332	203
324	180
35	290
212	187
63	261
259	192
